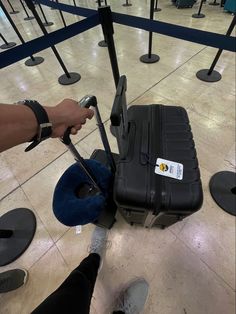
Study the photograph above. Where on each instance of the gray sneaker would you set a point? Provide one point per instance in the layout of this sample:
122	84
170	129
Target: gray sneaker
133	299
12	279
99	242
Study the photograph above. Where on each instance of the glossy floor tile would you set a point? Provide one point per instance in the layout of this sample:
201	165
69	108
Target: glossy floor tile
190	266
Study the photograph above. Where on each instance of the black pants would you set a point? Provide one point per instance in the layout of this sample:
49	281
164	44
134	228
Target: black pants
75	293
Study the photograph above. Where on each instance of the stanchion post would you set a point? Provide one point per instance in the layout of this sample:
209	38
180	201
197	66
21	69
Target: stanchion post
150	58
108	31
62	16
46	23
127	4
156	9
27	18
13	11
214	3
33	60
6	44
210	75
101	43
67	78
199	15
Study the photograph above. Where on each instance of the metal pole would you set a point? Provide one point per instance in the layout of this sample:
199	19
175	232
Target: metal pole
13	11
101	43
24	8
199	14
229	31
150	33
211	75
200	7
108	31
16	30
150	58
62	16
46	23
27	18
3	39
6	44
67	78
43	29
156	9
127	4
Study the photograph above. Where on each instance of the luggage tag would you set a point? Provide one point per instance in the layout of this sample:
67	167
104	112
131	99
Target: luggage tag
78	229
169	168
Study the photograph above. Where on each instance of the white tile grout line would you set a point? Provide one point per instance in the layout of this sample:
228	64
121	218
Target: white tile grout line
205	263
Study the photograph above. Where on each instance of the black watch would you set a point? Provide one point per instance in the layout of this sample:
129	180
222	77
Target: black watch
44	125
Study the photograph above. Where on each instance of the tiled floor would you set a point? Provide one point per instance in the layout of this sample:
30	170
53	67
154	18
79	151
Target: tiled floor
191	265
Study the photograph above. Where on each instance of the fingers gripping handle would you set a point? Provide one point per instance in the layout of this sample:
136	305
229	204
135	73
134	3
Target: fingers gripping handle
86	102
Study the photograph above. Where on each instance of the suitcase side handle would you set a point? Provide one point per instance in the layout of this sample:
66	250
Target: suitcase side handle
119	116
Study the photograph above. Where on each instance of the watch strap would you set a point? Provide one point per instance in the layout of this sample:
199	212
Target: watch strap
44	126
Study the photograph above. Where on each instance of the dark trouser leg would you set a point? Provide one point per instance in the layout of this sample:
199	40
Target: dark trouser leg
75	293
118	312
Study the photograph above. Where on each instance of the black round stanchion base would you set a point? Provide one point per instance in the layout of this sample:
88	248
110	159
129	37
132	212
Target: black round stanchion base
14	12
22	222
157	10
102	43
48	23
223	190
127	4
146	59
36	61
213	3
29	18
198	16
213	77
74	77
8	45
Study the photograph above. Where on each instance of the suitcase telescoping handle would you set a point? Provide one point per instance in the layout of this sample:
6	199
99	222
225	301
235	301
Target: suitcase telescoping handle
87	102
67	141
91	101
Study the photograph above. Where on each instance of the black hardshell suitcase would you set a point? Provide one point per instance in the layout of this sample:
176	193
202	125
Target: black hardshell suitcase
153	131
181	4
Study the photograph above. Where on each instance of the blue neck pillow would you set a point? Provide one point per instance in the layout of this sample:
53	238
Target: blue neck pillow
71	210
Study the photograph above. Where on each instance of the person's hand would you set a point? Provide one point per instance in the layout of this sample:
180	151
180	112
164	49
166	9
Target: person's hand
67	113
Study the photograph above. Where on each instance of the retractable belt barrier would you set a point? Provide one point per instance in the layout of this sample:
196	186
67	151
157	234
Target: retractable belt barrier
92	19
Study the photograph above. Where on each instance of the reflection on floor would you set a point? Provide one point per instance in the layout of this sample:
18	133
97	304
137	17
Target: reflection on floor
191	265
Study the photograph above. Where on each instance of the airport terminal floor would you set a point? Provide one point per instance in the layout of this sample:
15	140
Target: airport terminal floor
190	266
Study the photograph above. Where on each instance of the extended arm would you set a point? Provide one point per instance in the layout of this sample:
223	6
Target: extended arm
18	123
